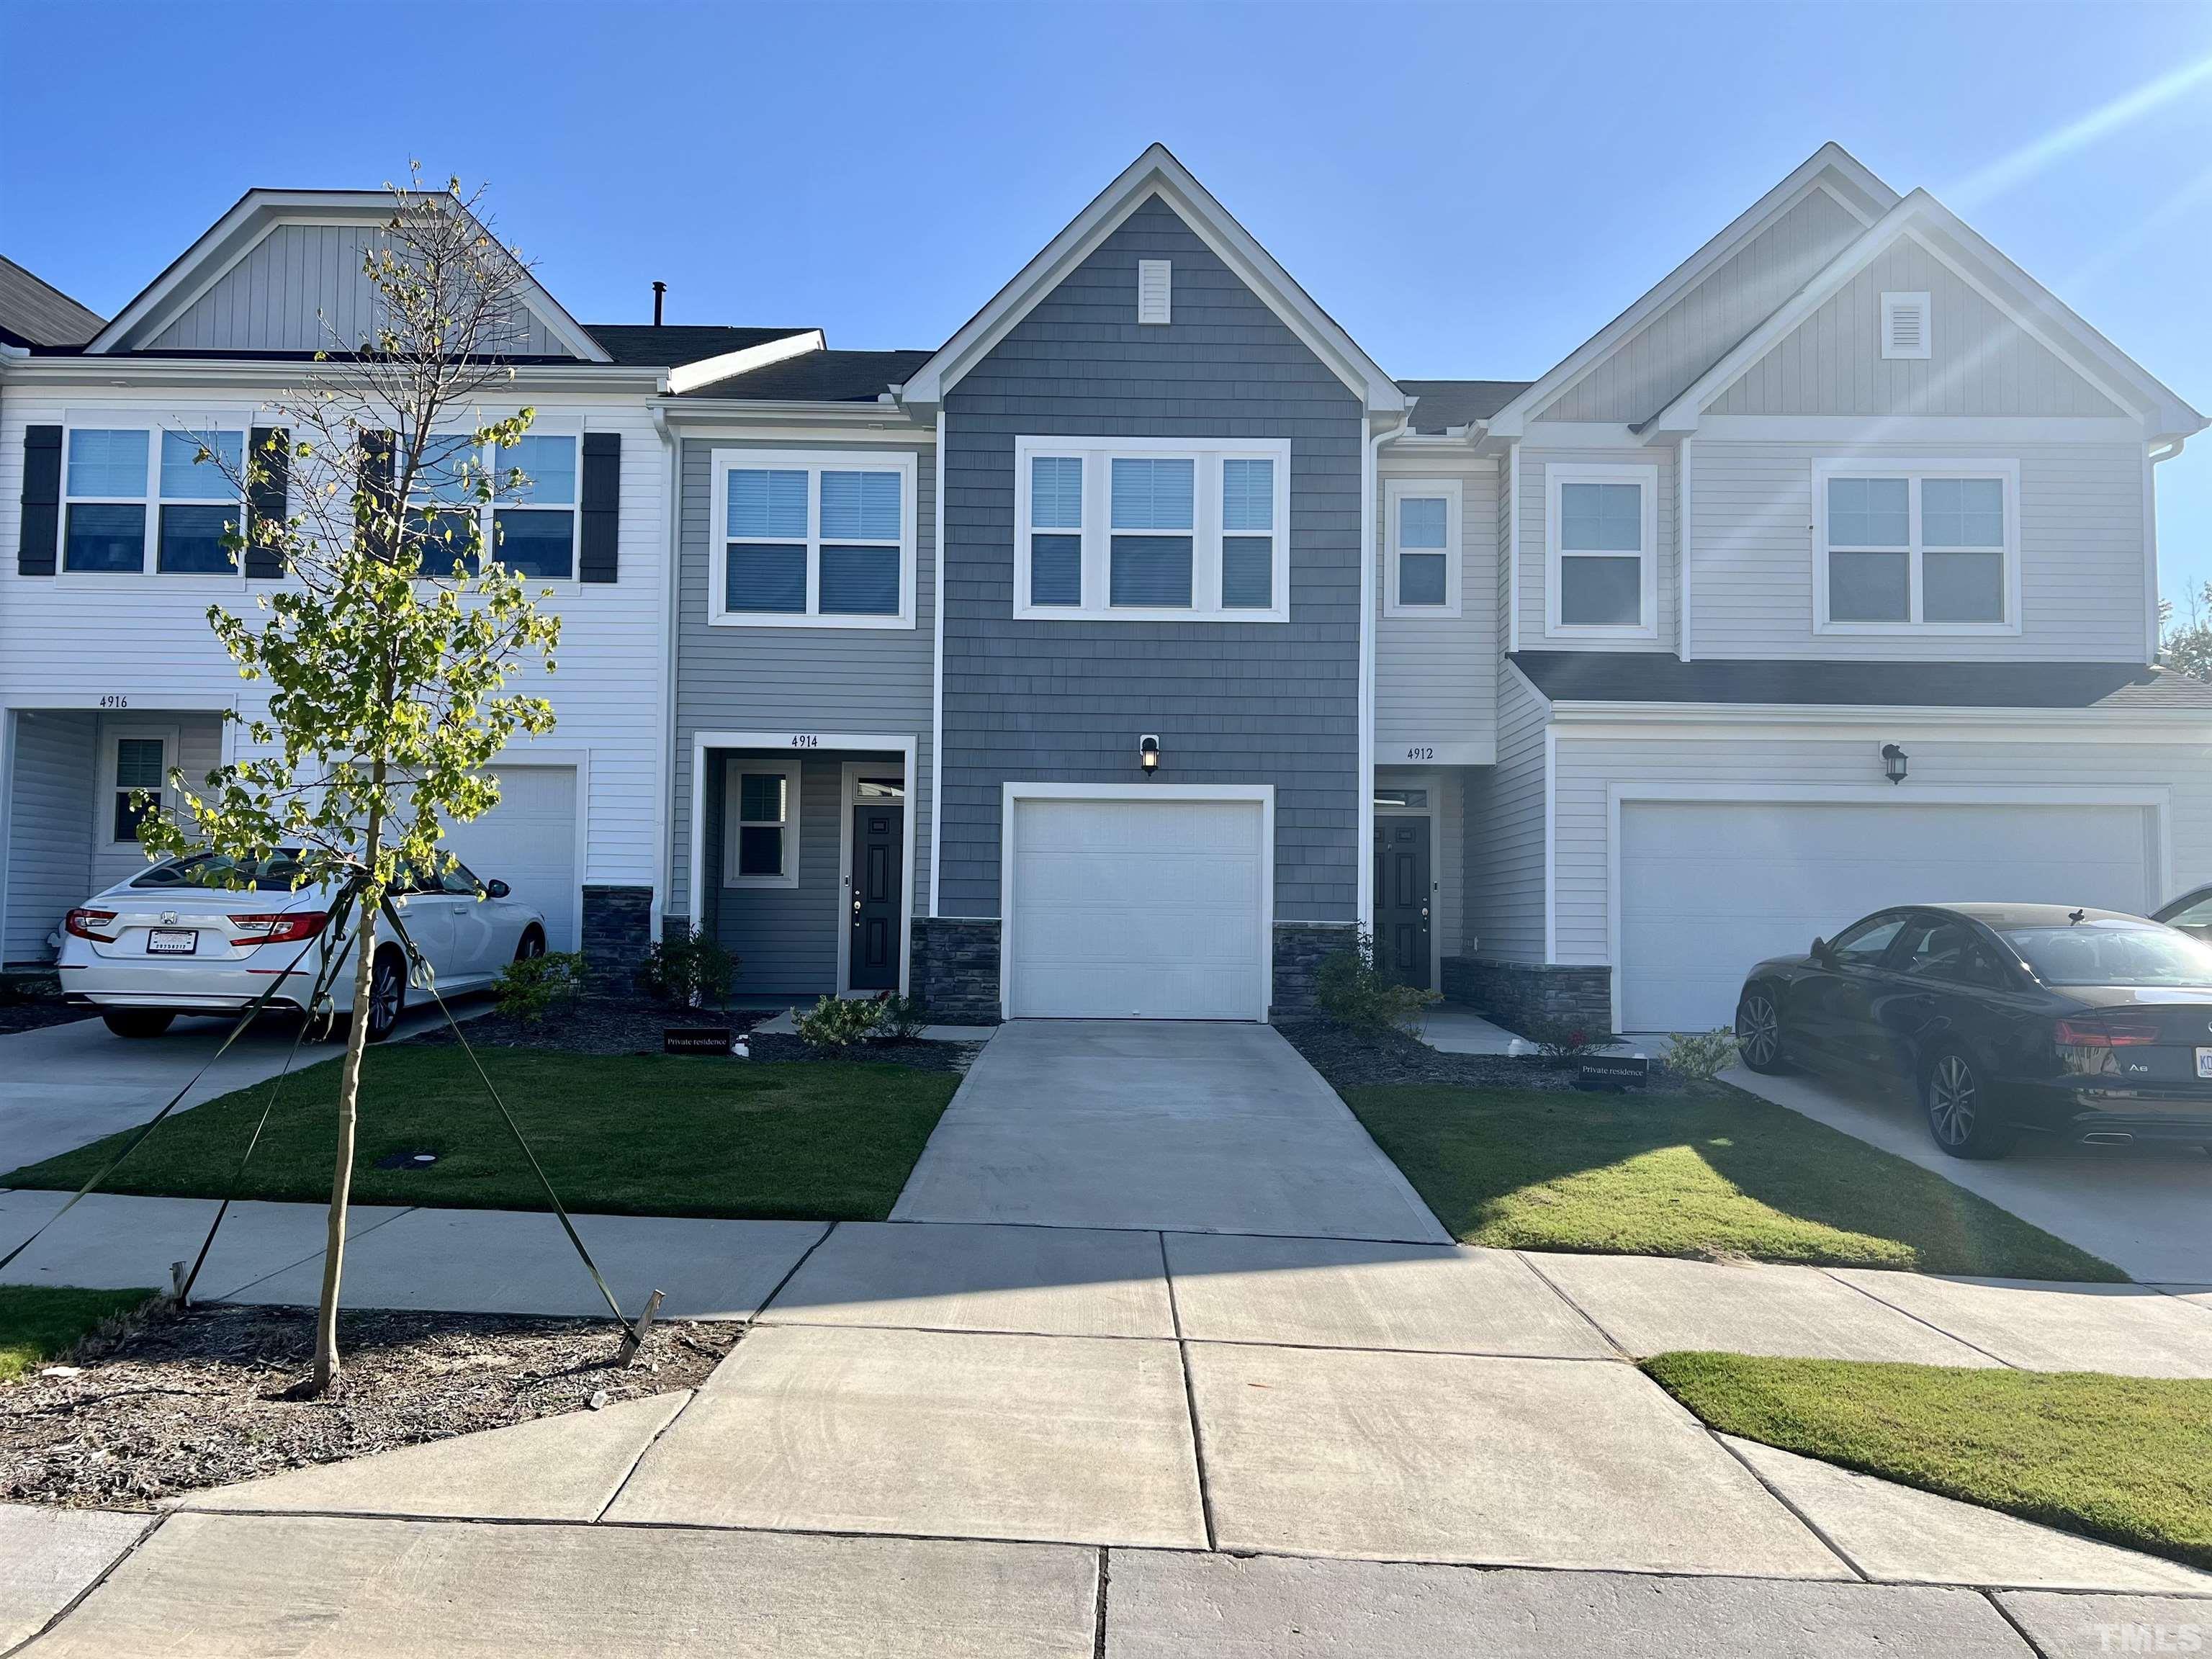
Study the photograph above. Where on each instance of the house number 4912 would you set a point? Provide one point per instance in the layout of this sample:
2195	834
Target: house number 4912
1420	752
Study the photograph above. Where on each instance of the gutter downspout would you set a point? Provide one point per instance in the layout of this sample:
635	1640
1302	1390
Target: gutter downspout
665	758
1683	538
8	355
1368	624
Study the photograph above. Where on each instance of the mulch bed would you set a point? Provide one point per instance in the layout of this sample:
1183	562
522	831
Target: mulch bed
199	1399
1362	1059
22	1010
591	1025
952	1057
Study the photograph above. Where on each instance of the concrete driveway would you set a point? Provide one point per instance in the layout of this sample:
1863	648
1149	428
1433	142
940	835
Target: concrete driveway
1187	1127
62	1085
2145	1210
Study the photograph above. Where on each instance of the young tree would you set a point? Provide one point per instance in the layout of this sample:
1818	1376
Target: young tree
2186	648
387	649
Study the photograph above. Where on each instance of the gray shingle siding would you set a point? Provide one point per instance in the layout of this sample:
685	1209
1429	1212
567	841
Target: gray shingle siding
1066	702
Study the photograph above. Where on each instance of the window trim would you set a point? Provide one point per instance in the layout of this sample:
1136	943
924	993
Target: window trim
112	735
1645	477
487	511
1915	471
1395	490
813	463
1205	454
733	771
150	500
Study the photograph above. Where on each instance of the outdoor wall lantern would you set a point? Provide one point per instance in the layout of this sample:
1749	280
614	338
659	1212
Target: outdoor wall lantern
1148	753
1892	762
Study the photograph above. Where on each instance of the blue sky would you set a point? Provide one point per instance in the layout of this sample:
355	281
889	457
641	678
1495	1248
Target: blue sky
1471	190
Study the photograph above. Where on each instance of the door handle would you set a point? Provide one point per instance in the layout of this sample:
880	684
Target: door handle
856	906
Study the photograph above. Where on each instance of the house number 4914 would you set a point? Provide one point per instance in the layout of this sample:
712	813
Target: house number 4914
806	740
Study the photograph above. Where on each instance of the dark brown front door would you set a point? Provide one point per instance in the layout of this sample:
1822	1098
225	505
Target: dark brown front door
879	842
1401	900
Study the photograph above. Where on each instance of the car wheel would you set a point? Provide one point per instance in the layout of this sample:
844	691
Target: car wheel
1758	1030
1961	1115
533	944
388	993
136	1022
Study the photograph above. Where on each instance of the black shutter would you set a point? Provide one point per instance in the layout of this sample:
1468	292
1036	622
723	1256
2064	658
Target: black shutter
375	488
602	504
268	497
42	500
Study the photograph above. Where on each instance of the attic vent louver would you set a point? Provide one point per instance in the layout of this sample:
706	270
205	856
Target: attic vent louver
1904	326
1155	287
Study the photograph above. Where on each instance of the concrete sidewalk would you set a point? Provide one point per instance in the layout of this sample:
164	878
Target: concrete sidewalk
2147	1210
1186	1125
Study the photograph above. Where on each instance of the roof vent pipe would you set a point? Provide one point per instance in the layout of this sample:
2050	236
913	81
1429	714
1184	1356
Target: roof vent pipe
660	293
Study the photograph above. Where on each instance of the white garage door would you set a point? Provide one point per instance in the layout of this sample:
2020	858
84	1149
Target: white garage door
1708	887
1137	909
529	841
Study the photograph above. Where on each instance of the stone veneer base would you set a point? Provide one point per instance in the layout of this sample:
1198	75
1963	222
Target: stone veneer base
1527	996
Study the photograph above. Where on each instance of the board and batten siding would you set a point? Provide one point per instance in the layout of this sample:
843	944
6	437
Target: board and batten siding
1653	366
1534	461
870	680
1505	832
69	642
1979	362
1232	703
1588	765
2081	551
1436	680
300	288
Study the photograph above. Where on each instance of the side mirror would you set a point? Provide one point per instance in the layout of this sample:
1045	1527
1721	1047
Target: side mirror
495	889
1819	951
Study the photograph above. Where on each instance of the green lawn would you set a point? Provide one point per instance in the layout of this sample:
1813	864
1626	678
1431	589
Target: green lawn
1711	1174
644	1135
40	1322
2119	1458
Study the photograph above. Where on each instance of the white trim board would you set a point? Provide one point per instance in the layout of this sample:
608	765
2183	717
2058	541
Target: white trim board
1397	488
1263	794
801	743
1914	472
1645	477
2156	798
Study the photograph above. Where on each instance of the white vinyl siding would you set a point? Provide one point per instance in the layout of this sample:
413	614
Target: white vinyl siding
2080	555
52	773
1435	670
1504	833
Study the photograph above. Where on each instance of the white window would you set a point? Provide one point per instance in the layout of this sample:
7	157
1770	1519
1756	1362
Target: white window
134	779
1915	547
1602	532
139	499
813	539
1422	571
1155	290
1142	530
760	811
1906	325
533	523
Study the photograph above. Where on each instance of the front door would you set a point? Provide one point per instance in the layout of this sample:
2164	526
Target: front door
879	840
1401	900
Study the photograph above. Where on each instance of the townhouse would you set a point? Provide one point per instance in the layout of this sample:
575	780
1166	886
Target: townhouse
1124	654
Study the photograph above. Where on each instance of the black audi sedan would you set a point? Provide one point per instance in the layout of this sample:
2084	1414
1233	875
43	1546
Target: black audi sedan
2086	1024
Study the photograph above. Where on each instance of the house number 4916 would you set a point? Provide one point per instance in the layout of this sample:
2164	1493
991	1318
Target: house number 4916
115	700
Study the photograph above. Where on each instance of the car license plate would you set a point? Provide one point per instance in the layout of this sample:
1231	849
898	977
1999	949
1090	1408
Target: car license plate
2204	1062
171	942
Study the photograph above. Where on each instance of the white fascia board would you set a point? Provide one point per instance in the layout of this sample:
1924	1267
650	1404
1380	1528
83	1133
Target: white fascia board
1930	224
259	376
1830	158
2138	725
1155	172
860	423
708	370
251	219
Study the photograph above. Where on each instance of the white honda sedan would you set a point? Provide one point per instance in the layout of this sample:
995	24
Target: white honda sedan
167	942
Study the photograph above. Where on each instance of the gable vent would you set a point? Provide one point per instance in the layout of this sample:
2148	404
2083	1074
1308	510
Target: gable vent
1154	287
1904	326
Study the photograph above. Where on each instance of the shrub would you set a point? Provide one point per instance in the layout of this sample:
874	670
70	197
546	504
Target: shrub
835	1024
689	969
531	987
1698	1057
1562	1039
900	1019
1351	991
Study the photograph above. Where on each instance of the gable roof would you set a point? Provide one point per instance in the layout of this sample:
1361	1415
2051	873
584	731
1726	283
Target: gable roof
1949	239
1831	168
33	313
251	219
1155	172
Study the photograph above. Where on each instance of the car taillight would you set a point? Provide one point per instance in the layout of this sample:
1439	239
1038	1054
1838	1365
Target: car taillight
85	924
276	929
2112	1034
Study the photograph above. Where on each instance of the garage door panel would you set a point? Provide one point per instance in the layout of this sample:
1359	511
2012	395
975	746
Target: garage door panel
1708	887
529	841
1127	909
